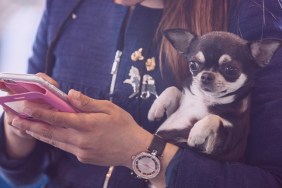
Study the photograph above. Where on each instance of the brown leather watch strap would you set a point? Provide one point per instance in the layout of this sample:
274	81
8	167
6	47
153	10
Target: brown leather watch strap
157	145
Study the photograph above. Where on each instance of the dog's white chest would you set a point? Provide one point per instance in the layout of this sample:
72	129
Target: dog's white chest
191	108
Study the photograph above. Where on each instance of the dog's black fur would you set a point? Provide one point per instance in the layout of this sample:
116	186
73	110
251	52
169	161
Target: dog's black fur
222	67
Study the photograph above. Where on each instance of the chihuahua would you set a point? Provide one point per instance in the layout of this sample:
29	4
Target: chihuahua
211	112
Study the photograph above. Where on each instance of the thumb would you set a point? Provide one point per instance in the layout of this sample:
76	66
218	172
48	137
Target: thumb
82	102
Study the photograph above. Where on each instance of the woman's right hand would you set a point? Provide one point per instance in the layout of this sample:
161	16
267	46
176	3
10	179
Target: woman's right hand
18	143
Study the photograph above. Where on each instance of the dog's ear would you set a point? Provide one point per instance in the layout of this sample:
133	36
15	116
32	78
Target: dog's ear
179	38
263	50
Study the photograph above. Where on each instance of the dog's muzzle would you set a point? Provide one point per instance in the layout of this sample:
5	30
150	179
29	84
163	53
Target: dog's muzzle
207	80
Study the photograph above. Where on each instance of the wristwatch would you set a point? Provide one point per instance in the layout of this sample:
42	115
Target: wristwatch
147	164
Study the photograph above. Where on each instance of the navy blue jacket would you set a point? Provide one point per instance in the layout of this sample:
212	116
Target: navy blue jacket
83	58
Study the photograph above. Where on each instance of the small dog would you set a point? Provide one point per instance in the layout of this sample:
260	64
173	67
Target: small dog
211	113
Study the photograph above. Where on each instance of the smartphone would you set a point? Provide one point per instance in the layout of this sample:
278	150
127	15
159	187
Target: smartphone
32	88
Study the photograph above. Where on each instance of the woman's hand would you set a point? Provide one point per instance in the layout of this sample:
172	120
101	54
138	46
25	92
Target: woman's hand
18	143
103	134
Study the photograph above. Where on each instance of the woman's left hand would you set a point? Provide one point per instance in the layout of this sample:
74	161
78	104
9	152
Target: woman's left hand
102	133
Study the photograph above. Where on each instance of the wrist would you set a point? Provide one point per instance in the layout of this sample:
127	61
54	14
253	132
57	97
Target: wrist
145	151
140	141
168	154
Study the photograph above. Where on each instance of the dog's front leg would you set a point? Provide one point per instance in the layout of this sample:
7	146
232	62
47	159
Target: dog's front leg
167	103
204	134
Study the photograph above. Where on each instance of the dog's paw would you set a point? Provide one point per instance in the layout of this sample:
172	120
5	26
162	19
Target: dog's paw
167	103
157	110
196	137
203	135
204	140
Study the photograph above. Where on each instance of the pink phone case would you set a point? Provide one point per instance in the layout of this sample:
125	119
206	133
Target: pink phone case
25	90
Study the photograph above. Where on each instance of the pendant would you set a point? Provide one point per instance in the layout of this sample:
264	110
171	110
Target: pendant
133	80
148	84
137	55
150	64
148	87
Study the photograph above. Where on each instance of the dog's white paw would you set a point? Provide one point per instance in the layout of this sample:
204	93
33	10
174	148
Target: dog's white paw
204	139
167	103
157	111
196	137
204	134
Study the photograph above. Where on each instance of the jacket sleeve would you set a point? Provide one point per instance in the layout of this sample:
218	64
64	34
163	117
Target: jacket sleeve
255	19
29	169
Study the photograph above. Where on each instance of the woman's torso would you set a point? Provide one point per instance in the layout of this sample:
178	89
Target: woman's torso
84	54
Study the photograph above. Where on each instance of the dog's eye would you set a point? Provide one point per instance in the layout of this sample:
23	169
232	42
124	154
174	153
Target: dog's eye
194	66
231	71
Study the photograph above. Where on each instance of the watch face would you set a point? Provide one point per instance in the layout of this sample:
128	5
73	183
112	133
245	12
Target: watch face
146	165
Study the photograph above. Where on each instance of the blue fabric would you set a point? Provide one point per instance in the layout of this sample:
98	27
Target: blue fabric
84	56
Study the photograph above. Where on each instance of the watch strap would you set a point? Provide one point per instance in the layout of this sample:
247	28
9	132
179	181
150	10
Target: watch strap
157	145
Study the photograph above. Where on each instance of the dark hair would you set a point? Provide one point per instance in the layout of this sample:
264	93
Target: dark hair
199	17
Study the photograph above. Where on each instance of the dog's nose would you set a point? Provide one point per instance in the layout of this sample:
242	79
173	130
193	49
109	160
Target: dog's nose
207	78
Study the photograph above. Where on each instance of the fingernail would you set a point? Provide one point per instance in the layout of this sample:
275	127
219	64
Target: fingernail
75	97
74	94
29	132
16	122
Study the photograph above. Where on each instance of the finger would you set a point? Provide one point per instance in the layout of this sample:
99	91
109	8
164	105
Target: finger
9	116
73	149
18	107
47	78
87	104
61	145
56	118
45	131
19	132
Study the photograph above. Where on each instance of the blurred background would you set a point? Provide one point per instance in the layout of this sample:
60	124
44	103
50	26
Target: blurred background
19	20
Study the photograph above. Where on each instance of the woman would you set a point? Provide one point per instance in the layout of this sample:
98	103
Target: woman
80	55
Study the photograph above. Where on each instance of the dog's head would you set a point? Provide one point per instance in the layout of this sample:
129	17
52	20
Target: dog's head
221	64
